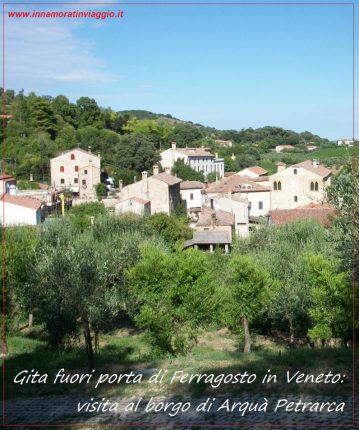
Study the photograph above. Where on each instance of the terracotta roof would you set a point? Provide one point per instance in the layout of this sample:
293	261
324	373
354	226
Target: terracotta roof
320	170
258	170
234	183
209	237
168	179
189	185
321	213
76	149
260	179
235	198
227	174
221	218
5	176
28	202
195	152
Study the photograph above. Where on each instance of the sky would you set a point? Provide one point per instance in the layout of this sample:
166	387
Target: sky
229	67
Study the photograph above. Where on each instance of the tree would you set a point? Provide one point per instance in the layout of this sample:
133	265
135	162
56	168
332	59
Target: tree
248	291
171	227
185	172
176	295
330	298
101	190
79	279
89	112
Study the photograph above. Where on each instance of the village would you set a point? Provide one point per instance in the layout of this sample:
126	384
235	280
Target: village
233	205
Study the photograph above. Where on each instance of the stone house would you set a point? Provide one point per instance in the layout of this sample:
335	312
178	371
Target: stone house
76	170
161	190
299	185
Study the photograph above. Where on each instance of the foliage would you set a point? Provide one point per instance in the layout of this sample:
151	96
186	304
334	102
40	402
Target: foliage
81	215
27	185
185	172
101	190
176	296
171	227
248	291
330	298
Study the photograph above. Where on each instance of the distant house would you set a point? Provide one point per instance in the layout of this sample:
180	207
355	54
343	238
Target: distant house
76	170
345	142
225	143
191	193
323	214
199	159
257	194
15	210
280	148
299	185
161	190
311	148
253	172
6	181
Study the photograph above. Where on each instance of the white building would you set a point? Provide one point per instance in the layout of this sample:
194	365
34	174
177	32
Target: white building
192	194
15	210
6	181
257	195
280	148
162	190
200	159
299	185
76	170
345	142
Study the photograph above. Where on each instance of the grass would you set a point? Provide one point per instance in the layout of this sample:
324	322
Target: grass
216	352
336	155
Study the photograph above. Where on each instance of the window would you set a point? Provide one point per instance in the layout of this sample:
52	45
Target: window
260	205
295	171
316	186
62	169
72	156
84	182
312	186
295	198
249	205
85	172
62	181
76	168
191	196
279	185
76	180
275	186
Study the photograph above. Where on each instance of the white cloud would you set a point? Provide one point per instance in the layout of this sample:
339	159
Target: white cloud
49	50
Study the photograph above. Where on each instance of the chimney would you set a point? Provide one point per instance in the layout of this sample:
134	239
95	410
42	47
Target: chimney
89	149
316	163
99	154
120	184
173	145
156	169
134	179
144	176
216	154
168	170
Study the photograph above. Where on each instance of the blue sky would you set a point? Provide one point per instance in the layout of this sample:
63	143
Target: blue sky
223	66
